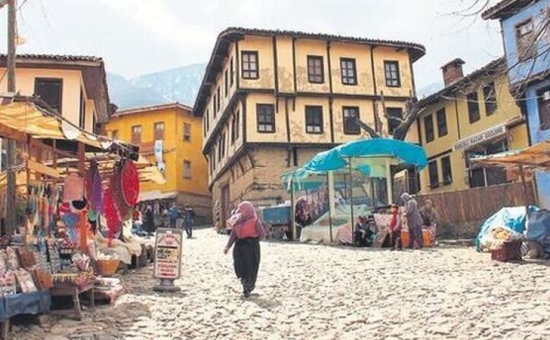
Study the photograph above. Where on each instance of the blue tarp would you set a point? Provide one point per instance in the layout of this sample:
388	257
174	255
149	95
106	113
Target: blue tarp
28	303
538	228
512	218
336	159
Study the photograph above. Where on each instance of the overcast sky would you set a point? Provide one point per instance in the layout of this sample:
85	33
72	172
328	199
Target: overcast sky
142	36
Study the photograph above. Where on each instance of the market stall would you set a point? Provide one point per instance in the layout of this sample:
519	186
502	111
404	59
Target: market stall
501	234
70	184
357	179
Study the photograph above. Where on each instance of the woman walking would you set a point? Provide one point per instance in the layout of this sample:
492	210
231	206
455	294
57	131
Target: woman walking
246	235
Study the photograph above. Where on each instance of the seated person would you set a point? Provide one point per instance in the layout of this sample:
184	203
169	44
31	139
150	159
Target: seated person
363	232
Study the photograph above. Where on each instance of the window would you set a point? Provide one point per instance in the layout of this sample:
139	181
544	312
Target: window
221	147
235	126
186	132
397	113
159	131
391	69
350	122
314	119
489	96
215	105
525	40
482	177
82	112
207	121
441	118
219	98
544	108
226	82
473	107
232	74
51	91
186	169
136	134
114	134
315	69
266	117
429	127
349	74
446	170
434	176
250	64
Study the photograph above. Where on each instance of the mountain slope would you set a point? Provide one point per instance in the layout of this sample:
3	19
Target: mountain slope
179	84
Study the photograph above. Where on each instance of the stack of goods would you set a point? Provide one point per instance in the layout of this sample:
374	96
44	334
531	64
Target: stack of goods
108	289
503	244
107	264
20	271
76	272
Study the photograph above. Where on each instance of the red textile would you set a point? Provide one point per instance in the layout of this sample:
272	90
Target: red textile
130	183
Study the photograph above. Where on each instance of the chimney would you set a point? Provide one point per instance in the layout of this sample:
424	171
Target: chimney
452	71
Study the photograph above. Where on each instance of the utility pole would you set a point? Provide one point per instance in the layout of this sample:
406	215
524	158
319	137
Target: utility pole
11	197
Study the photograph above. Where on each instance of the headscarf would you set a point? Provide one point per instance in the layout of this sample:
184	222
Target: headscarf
247	219
406	197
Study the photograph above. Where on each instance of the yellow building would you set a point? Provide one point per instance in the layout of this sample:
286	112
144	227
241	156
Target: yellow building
472	115
171	137
75	86
270	100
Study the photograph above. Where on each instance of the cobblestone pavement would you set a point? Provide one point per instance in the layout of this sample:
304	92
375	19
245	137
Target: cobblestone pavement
320	292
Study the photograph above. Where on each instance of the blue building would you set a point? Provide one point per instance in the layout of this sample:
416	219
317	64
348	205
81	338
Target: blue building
526	37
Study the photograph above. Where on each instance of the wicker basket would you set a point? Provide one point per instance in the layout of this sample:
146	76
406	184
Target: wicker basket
510	251
107	267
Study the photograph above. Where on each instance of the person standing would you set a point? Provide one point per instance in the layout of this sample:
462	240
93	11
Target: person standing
395	228
414	221
246	235
430	218
189	220
173	214
149	222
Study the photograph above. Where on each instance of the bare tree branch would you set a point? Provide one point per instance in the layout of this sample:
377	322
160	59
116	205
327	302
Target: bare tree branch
3	3
372	132
386	114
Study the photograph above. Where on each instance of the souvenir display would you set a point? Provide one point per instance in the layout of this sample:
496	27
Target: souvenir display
43	279
53	255
7	284
114	222
27	257
12	260
94	188
3	266
25	281
129	182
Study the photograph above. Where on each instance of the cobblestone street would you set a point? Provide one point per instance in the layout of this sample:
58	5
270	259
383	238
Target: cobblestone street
309	291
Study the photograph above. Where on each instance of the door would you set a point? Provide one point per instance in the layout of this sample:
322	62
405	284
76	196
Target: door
225	205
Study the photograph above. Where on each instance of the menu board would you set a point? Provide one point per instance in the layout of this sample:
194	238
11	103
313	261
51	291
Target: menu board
168	250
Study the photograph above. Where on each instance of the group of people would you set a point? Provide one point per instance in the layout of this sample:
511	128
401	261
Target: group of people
416	219
144	222
179	217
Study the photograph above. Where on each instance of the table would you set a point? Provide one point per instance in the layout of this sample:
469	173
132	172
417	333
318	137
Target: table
25	303
74	292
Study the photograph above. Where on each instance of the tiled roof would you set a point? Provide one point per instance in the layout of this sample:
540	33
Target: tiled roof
505	8
236	33
493	66
55	57
133	110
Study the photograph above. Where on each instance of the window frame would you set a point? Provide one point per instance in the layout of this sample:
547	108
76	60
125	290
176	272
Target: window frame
226	82
431	137
473	107
441	122
347	79
60	97
544	121
315	73
446	166
260	110
392	81
187	134
231	73
156	131
311	121
247	71
432	166
186	168
490	98
114	134
391	122
525	52
346	123
133	134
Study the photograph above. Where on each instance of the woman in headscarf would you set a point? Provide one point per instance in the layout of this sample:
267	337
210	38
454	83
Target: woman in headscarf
246	235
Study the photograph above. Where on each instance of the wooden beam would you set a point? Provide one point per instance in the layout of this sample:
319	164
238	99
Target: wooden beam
42	169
